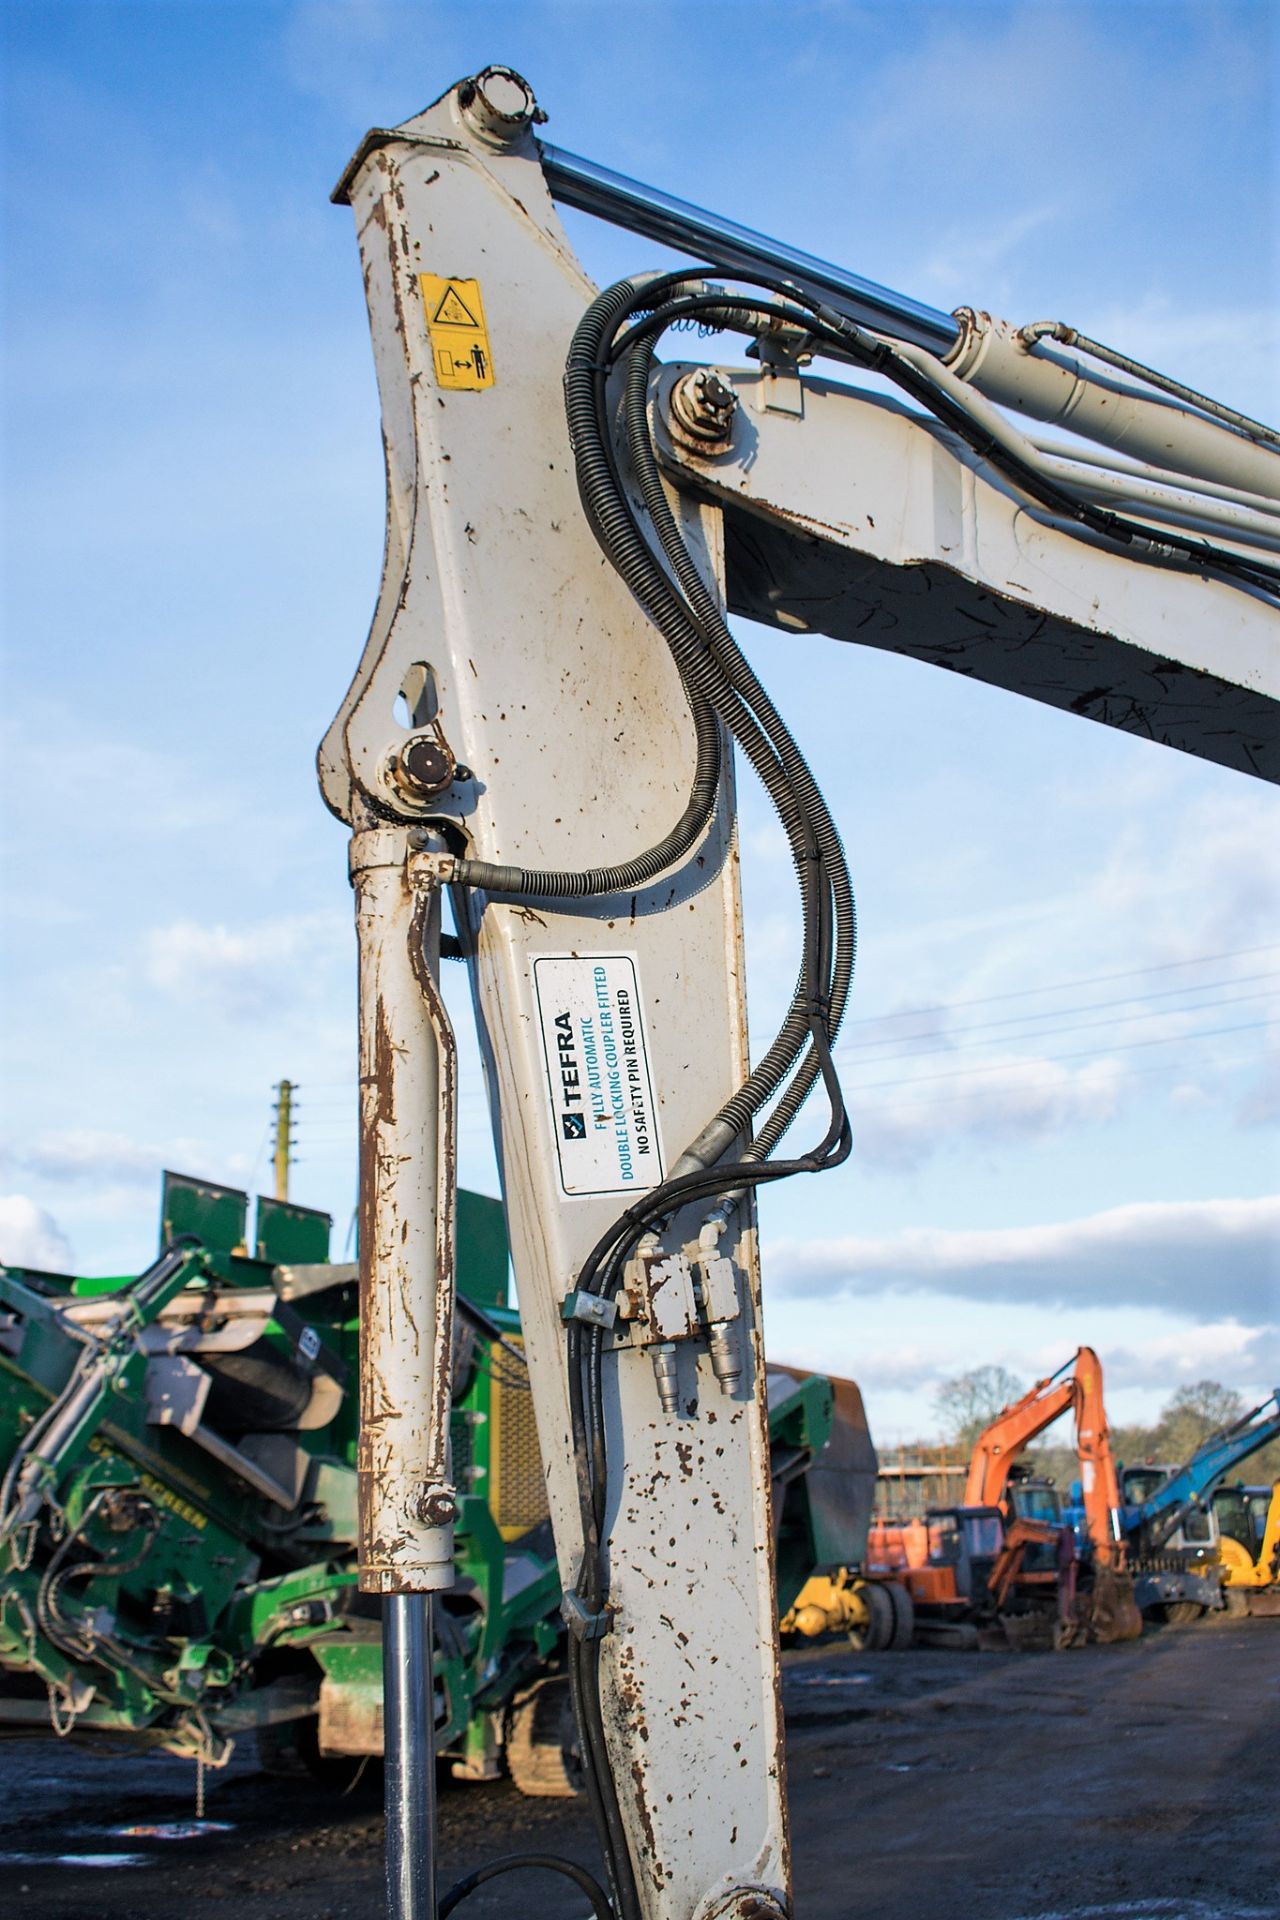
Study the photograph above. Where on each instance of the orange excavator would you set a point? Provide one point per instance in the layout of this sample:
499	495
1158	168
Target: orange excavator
998	1446
1108	1611
1008	1537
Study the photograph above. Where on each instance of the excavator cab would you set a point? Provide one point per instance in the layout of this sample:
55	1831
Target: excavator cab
1137	1484
1033	1498
1237	1518
1248	1521
1196	1536
963	1544
1261	1504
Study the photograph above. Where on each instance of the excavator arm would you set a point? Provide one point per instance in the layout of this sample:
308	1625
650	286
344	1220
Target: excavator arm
543	725
1099	1474
1165	1508
998	1446
1014	1428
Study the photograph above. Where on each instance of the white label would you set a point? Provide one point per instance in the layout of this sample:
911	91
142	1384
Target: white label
602	1111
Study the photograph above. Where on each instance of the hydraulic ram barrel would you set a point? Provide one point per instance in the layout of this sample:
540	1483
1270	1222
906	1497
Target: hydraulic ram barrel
688	230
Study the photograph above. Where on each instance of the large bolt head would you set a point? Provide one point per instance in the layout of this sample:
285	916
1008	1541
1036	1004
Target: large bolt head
715	396
437	1508
700	412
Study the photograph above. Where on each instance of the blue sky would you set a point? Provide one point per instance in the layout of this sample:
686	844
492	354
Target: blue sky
193	516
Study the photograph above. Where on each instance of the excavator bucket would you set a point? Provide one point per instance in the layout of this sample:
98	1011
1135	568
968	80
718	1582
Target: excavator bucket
1112	1611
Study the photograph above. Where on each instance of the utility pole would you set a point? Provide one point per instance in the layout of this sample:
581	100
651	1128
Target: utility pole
284	1136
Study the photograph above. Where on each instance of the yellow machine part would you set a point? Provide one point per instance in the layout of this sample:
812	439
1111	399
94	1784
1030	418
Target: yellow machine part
827	1603
1240	1569
1265	1570
517	1489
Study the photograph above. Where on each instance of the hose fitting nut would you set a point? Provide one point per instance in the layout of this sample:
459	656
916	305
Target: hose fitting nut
701	412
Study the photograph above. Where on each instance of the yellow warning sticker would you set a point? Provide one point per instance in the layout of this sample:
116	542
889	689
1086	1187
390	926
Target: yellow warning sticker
459	337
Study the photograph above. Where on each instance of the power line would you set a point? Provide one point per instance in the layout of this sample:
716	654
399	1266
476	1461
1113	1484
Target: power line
1059	986
251	1182
1088	1053
1074	1026
932	1102
1053	1013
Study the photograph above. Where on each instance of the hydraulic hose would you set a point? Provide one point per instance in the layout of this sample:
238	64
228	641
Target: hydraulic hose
611	516
825	837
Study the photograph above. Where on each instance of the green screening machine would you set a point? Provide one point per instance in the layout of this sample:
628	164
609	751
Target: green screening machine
178	1505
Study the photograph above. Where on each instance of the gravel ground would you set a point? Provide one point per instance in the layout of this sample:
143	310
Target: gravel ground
1112	1783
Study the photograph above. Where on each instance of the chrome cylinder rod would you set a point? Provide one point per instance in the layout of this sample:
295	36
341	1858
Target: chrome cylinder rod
408	1691
689	230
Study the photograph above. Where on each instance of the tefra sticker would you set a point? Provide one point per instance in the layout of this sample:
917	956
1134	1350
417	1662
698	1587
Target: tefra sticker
597	1060
460	349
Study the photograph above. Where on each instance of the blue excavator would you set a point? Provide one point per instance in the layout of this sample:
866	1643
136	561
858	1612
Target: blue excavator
1168	1518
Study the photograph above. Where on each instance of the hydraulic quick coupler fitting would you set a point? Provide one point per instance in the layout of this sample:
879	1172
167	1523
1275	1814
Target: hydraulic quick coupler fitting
725	1351
666	1374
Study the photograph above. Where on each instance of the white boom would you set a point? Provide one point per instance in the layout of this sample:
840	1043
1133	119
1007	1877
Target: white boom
515	706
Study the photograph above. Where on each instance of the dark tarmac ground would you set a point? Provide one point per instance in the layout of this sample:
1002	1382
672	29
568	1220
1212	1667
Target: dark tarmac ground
1137	1782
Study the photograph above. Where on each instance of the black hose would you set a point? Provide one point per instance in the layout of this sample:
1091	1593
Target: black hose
825	836
512	1863
832	333
610	513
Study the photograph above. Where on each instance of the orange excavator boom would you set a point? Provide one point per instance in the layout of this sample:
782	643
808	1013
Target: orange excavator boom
1013	1429
1016	1426
1099	1478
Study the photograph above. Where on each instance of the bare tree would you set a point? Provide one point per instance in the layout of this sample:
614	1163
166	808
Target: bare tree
970	1401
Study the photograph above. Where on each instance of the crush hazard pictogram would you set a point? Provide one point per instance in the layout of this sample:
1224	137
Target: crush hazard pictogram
453	312
460	352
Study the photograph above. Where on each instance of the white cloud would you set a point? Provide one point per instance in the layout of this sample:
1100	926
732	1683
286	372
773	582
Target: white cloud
93	1157
1220	892
245	973
30	1237
1166	872
963	256
1024	1100
926	1351
129	776
1261	1354
1260	1106
1207	1260
1064	79
84	1153
1165	1361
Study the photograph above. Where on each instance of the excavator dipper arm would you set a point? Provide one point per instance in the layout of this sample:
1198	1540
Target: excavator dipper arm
542	722
544	725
